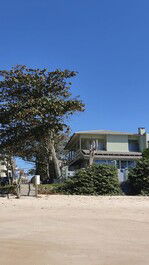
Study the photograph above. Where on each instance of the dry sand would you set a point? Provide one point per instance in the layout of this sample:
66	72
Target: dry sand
74	230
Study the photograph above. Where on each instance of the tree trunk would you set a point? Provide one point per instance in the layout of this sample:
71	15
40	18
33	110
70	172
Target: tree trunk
12	170
48	171
19	187
55	160
91	157
7	170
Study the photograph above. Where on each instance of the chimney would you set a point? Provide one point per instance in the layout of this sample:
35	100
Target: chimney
141	131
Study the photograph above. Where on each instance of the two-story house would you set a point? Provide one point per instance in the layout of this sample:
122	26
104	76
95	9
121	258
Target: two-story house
110	147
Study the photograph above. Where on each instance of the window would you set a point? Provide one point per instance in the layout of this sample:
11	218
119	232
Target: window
100	161
133	145
98	144
123	164
101	145
131	164
111	162
118	164
107	162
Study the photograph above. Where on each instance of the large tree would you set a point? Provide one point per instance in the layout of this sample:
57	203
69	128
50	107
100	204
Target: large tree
44	164
35	105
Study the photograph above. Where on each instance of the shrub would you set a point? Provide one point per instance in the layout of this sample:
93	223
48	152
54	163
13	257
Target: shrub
47	188
138	178
145	153
94	180
8	189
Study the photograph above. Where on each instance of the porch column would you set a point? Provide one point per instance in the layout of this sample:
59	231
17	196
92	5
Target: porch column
96	144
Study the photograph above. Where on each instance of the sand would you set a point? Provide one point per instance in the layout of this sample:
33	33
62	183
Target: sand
74	230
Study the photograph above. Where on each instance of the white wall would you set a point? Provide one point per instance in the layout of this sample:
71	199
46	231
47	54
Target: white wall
117	143
143	142
2	170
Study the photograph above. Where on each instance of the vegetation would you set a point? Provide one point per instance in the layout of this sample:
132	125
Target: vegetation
48	188
34	105
41	164
94	180
138	178
145	153
8	189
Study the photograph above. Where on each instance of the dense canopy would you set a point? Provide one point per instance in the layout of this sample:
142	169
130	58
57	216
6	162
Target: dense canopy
34	108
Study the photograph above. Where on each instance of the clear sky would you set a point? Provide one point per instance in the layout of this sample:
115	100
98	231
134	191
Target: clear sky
106	41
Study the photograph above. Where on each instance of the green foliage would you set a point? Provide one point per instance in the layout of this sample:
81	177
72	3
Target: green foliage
145	153
8	189
33	102
34	106
41	165
47	188
138	178
94	180
32	171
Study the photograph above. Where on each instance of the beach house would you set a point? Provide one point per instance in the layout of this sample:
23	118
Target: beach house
121	149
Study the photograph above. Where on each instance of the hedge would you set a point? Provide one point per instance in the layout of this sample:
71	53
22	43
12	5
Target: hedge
94	180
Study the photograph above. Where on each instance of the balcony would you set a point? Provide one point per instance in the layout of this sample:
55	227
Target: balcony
97	144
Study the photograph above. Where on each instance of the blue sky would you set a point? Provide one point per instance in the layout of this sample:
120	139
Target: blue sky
107	42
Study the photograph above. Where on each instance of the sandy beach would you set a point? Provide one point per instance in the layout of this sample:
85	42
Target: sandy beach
74	230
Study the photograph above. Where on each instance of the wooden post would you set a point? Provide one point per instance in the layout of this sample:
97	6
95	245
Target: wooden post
36	190
19	186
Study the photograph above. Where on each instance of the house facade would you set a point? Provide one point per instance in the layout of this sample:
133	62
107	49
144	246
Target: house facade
121	149
6	167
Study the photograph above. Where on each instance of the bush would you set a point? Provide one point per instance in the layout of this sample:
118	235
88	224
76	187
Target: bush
47	188
138	178
94	180
8	189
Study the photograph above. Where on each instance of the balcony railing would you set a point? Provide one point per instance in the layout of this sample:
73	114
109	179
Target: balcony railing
73	154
